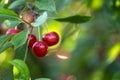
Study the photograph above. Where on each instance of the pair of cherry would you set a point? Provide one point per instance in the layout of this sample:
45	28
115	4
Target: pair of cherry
40	48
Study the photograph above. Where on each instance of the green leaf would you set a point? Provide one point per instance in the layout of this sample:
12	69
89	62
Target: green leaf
6	46
16	4
116	76
42	79
3	17
4	39
22	67
21	51
40	20
45	5
19	39
74	19
10	23
8	14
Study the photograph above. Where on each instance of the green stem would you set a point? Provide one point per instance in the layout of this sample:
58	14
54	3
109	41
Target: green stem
26	51
39	33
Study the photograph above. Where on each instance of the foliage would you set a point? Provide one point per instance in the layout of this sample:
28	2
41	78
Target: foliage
75	19
89	48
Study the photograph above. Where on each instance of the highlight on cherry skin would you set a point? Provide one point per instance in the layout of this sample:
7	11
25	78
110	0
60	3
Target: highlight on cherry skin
12	31
51	38
40	49
32	39
28	17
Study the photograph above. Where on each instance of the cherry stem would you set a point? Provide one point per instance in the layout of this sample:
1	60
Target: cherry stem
30	26
26	51
27	23
31	30
39	33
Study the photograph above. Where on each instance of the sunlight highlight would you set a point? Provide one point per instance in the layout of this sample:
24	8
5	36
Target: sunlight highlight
113	53
62	56
117	3
6	1
15	71
96	4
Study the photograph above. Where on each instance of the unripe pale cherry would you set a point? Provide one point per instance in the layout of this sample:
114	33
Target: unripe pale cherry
32	39
12	31
40	49
28	17
51	38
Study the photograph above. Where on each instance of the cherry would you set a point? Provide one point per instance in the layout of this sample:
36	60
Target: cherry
40	48
28	17
32	39
51	38
12	31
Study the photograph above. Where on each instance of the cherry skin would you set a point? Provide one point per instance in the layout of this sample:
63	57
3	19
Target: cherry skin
32	39
51	38
40	48
12	31
28	17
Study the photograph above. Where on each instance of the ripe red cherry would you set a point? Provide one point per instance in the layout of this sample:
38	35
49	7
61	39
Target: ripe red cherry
32	39
28	17
12	31
40	48
51	38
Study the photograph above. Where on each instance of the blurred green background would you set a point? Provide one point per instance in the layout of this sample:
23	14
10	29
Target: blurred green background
87	51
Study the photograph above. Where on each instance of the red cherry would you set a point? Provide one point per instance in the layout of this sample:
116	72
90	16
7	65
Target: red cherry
51	38
32	39
40	48
12	31
28	17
